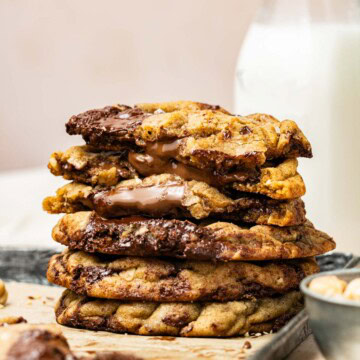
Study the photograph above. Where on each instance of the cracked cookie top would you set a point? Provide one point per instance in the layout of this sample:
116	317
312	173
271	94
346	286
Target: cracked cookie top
199	135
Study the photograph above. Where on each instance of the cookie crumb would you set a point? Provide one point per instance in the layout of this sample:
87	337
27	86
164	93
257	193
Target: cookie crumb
3	293
247	345
11	320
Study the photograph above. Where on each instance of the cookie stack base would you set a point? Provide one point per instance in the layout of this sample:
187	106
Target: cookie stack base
149	296
209	319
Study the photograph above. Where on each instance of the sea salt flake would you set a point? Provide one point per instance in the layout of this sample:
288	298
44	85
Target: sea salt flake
124	116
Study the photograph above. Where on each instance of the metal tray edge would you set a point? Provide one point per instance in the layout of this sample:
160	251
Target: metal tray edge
295	331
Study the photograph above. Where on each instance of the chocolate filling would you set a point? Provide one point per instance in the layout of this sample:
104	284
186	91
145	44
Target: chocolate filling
160	157
157	199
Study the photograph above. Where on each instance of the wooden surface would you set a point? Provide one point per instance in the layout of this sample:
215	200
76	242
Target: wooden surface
36	302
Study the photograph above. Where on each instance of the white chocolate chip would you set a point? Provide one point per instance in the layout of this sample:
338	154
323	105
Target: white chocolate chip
124	116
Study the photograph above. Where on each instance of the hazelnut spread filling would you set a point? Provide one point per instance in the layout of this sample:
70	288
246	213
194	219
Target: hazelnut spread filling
160	158
155	199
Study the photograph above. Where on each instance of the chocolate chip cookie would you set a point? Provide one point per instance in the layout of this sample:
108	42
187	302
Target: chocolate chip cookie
171	196
150	279
210	240
84	164
89	166
199	135
40	342
197	319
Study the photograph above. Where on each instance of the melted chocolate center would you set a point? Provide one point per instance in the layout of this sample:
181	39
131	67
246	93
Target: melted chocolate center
160	158
157	200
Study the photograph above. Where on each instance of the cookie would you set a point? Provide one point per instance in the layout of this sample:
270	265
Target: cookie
106	168
3	294
86	165
277	182
232	318
182	105
197	135
112	127
169	195
36	342
224	241
148	279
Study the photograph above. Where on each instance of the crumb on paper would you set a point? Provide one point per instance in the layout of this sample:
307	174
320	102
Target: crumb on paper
11	320
247	345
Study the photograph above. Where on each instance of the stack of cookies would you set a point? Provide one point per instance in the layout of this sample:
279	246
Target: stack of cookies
181	219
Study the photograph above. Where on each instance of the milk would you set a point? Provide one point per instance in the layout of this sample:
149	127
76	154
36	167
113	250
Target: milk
311	74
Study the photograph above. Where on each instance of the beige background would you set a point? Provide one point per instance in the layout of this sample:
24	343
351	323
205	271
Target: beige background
59	58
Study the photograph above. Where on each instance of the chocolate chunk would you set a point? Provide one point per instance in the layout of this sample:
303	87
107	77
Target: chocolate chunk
109	128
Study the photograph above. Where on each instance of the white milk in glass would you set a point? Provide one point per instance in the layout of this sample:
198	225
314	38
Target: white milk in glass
311	74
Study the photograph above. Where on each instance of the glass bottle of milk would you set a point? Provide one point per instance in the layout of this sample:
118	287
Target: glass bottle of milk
301	60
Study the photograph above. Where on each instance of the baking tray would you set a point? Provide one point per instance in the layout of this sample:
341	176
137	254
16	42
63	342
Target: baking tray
297	329
29	266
